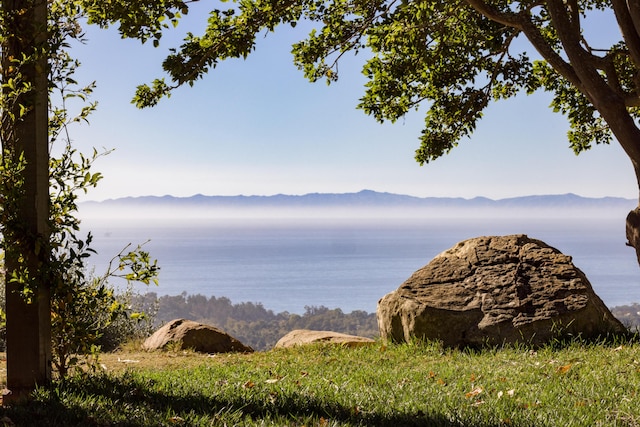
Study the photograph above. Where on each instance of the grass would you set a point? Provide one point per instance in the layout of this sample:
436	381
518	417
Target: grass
576	384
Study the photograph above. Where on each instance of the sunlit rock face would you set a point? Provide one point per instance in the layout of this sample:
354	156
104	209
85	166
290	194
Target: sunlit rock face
493	290
190	335
305	336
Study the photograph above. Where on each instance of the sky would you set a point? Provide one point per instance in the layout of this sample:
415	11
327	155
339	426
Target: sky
257	127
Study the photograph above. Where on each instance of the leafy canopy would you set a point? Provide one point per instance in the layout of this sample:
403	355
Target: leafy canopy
454	57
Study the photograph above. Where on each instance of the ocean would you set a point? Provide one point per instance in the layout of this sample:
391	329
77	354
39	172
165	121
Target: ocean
287	264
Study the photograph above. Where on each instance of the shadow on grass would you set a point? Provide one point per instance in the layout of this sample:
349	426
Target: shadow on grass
127	402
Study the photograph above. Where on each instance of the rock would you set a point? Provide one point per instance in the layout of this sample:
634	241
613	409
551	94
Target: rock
633	230
495	290
305	336
196	336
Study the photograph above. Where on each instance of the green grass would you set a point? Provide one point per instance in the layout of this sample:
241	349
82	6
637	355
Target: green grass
420	384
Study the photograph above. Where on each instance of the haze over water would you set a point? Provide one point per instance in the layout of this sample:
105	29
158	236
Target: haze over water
287	262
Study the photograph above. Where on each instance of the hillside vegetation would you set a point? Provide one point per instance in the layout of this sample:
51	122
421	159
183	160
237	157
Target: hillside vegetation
260	328
252	323
629	315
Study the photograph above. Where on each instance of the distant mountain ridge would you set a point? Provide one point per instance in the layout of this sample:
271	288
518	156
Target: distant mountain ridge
368	198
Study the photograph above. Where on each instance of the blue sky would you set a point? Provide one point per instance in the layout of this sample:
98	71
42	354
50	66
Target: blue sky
257	127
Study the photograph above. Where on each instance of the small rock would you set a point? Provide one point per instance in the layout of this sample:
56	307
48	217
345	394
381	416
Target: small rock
195	336
305	336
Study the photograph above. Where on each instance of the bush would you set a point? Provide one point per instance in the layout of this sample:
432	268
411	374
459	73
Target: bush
137	323
89	315
86	312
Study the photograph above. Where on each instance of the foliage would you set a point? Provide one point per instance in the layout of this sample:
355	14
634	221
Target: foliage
413	384
82	307
455	57
44	255
25	251
142	20
88	315
134	323
96	317
253	324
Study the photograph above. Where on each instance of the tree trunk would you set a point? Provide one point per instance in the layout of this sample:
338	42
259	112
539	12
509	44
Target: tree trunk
633	220
627	134
26	237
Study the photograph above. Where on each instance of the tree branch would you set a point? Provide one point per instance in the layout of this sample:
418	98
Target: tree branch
509	19
607	101
633	6
498	63
584	64
352	40
632	100
523	21
628	27
574	13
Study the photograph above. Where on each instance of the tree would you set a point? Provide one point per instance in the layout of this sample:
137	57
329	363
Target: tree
25	192
454	57
33	33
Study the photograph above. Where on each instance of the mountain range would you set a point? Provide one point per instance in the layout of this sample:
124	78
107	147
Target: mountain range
364	199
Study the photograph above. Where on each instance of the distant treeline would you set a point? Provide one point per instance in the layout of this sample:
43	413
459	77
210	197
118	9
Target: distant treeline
251	323
629	315
260	328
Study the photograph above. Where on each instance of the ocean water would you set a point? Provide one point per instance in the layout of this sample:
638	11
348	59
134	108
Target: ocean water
287	264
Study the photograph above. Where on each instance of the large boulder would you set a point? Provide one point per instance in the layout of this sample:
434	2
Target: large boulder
305	336
188	334
495	290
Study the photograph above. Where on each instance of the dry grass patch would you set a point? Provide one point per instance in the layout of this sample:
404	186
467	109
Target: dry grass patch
120	361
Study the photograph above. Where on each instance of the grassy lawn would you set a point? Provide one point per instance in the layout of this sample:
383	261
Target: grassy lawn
420	384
